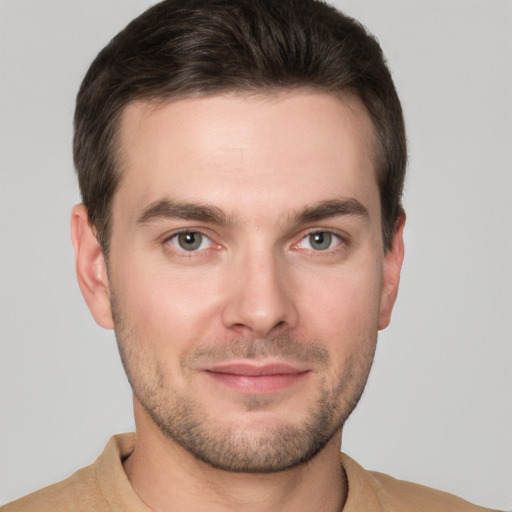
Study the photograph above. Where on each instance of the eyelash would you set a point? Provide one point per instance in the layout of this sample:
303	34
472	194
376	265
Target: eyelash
342	242
183	252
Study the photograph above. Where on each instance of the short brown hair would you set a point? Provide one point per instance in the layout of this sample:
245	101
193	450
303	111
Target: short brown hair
180	48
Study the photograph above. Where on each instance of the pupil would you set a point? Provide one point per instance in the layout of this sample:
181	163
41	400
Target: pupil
321	241
190	241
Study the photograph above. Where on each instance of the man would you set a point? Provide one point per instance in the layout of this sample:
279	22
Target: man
241	166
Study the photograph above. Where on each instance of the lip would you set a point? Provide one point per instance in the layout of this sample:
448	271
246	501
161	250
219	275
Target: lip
256	378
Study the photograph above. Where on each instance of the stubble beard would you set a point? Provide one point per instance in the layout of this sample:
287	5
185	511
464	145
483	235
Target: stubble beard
264	448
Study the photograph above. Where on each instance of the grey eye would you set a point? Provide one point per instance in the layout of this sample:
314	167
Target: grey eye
190	241
320	241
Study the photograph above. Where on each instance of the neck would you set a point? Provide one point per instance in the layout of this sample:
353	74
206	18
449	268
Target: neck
167	477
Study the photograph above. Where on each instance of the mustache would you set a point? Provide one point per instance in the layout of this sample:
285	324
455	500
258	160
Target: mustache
283	346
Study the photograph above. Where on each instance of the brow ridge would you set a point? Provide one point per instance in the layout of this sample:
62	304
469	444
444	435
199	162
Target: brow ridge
168	209
332	208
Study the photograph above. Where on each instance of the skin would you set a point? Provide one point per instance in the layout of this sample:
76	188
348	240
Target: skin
257	292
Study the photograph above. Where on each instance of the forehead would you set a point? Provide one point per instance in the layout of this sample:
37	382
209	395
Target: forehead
277	151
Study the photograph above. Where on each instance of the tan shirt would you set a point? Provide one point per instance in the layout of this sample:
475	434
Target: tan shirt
103	486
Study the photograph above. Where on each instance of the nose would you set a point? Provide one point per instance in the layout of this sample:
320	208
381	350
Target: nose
261	301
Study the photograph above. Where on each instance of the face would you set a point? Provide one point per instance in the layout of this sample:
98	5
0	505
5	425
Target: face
246	275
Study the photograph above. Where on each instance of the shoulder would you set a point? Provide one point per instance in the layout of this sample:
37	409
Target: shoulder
417	497
63	496
98	487
396	495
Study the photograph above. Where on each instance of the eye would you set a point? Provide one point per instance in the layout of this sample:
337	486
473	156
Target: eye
190	241
320	241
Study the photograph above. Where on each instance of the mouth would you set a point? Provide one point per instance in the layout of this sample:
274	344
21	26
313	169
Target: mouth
256	378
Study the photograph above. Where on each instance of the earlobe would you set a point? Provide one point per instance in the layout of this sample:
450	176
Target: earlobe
90	267
391	275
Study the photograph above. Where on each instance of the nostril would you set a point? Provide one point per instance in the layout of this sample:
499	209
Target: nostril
261	303
280	325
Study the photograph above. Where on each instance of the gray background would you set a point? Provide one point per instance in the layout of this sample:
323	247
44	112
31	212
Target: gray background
438	407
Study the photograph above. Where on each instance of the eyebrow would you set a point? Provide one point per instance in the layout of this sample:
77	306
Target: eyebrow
332	208
168	209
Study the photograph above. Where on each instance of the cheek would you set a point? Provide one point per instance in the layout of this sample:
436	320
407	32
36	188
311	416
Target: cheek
165	303
342	309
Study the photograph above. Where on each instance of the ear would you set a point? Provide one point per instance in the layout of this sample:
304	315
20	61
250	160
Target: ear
91	270
391	277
